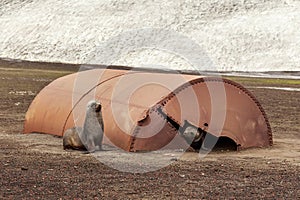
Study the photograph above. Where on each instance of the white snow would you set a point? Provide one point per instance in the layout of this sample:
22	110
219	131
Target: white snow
279	88
237	35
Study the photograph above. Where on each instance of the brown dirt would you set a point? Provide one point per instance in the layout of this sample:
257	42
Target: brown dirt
35	166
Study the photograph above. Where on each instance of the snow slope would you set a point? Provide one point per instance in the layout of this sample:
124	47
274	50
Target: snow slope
237	35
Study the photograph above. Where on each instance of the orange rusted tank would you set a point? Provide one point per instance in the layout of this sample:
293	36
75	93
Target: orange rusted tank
135	104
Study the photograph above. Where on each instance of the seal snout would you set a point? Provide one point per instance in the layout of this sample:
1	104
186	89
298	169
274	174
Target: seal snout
98	107
94	105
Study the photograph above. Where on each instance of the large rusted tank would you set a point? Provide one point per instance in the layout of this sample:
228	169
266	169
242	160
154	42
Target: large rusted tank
137	104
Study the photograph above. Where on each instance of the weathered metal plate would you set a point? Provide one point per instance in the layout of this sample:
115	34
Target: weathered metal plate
130	100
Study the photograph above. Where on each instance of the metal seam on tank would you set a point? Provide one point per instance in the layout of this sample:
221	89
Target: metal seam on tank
133	138
176	91
137	129
159	114
253	98
198	81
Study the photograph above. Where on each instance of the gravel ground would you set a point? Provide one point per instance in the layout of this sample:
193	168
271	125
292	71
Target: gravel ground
35	166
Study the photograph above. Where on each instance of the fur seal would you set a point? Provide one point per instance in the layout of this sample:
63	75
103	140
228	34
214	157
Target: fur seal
91	135
71	139
198	138
193	135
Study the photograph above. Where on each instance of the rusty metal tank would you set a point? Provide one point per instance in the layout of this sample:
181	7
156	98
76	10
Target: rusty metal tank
132	101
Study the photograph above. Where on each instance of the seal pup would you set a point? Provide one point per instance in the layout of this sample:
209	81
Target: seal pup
198	138
89	137
71	139
193	135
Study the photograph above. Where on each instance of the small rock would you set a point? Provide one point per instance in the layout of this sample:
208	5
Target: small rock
24	168
174	159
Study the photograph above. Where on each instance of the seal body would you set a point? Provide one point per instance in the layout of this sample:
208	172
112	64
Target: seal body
91	135
71	139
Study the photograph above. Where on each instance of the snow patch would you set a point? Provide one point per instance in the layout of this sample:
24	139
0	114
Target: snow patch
279	88
247	35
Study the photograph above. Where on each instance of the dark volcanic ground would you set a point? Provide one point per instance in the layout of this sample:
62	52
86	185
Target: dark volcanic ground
35	166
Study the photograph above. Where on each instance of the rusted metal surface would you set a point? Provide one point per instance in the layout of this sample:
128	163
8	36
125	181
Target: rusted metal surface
130	101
